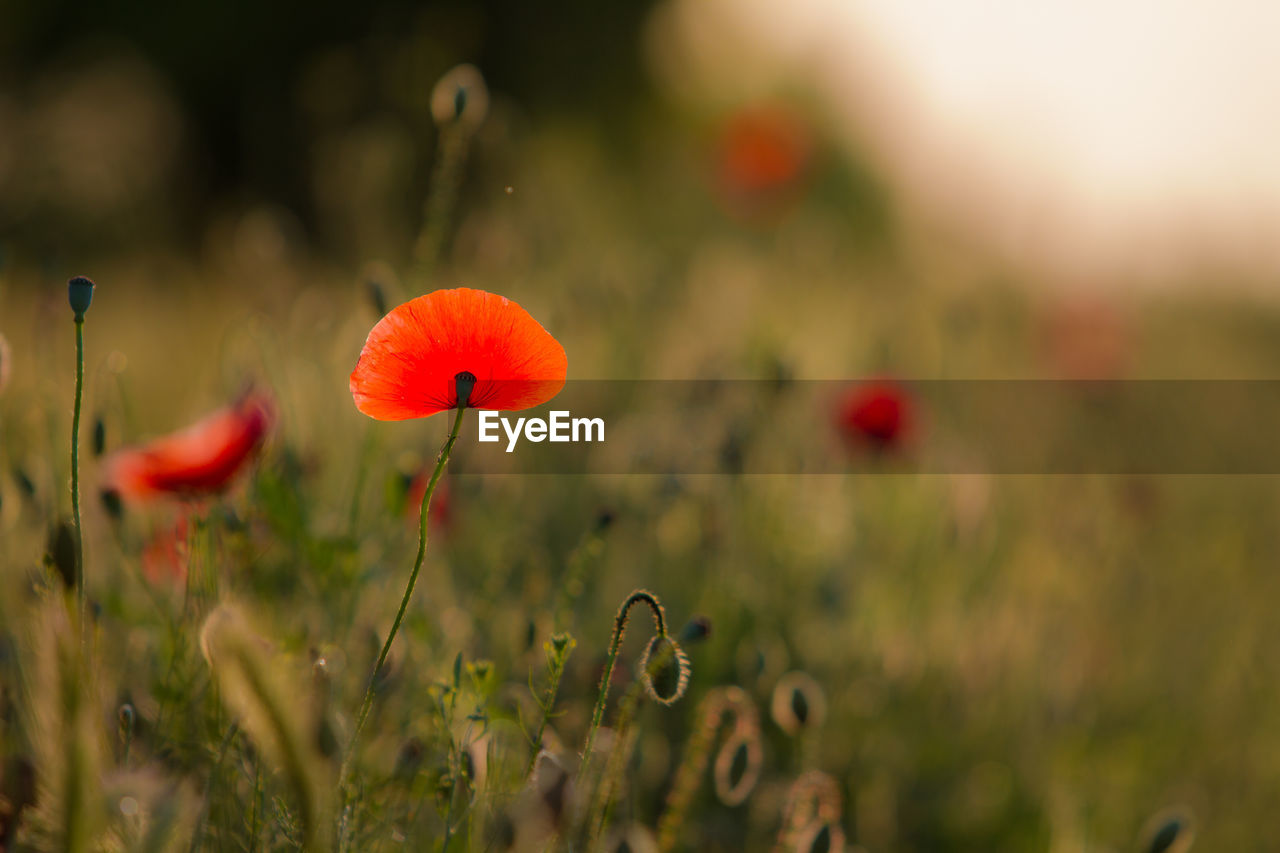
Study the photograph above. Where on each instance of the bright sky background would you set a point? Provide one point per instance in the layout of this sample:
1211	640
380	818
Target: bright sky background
1129	140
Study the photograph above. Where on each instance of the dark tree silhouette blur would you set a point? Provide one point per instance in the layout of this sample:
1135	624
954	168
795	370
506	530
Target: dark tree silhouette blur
240	72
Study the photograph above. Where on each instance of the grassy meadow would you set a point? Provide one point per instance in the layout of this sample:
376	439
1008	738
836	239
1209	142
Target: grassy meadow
885	659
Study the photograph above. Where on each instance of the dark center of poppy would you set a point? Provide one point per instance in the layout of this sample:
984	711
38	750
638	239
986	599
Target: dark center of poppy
465	382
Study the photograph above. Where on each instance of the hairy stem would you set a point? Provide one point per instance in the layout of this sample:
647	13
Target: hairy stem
619	629
367	704
75	483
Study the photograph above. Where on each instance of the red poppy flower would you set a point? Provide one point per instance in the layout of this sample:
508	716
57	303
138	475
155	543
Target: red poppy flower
201	459
4	363
875	413
763	153
413	358
1085	338
165	556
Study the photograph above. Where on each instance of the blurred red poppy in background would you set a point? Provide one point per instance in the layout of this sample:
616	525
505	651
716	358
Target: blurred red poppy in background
164	558
762	155
199	460
1085	338
876	414
411	362
4	363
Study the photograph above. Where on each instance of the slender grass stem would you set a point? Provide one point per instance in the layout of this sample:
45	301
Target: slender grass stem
75	483
619	630
446	176
367	704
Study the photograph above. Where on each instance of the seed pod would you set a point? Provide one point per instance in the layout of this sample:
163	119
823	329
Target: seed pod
80	295
665	670
460	100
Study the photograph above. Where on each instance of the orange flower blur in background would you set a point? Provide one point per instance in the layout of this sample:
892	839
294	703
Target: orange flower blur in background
199	460
762	156
412	358
1085	338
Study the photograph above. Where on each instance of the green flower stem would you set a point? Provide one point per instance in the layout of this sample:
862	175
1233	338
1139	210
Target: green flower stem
75	481
619	629
365	707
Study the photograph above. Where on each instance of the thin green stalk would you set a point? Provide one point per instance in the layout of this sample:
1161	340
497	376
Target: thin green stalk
619	630
367	704
602	797
75	482
445	179
202	823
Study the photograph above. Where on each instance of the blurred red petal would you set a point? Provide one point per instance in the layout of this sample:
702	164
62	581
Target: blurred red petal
201	459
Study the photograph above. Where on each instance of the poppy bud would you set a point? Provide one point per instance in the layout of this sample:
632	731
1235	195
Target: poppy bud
460	99
80	295
798	703
737	767
664	669
696	629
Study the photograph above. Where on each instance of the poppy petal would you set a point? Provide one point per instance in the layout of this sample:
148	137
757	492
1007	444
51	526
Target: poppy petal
202	458
412	357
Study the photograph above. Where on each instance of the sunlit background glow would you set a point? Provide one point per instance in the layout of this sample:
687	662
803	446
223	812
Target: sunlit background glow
1094	143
